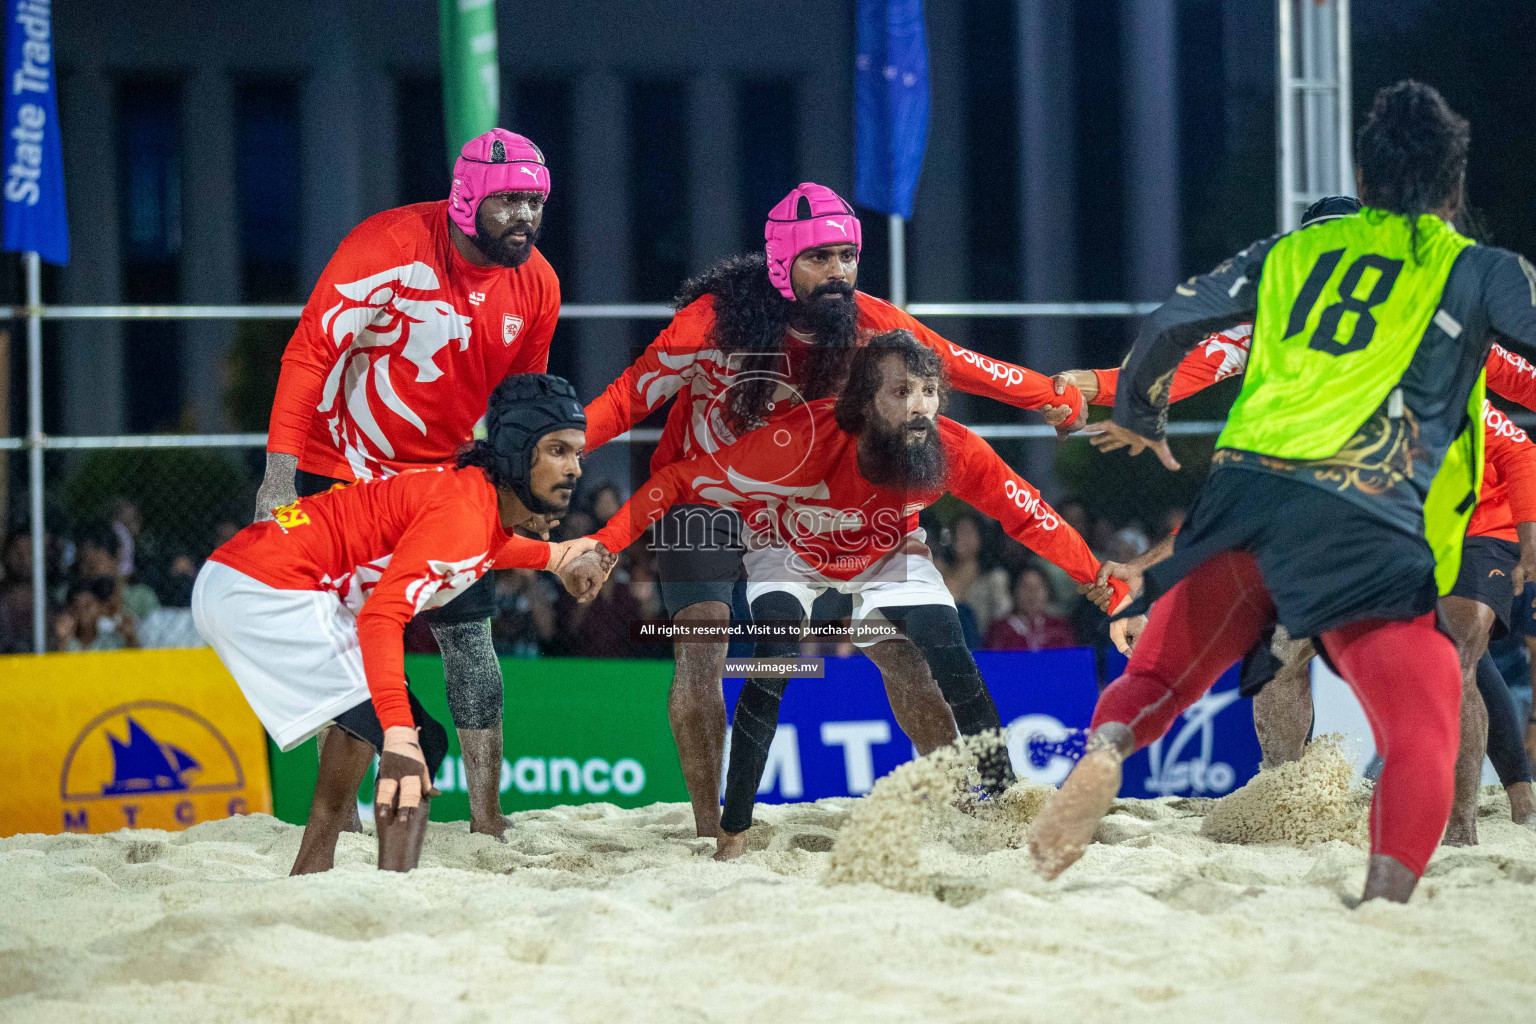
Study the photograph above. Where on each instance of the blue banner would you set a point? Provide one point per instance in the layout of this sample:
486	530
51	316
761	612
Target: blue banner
837	735
34	158
890	104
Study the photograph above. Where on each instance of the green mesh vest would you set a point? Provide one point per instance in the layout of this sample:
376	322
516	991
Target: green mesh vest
1342	308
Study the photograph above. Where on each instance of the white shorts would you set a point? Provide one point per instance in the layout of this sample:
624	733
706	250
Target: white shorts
906	576
294	653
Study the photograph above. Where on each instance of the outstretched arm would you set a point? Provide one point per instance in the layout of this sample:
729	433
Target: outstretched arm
1210	302
655	377
985	481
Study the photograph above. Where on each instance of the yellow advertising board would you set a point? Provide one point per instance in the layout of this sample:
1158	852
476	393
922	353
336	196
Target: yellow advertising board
126	739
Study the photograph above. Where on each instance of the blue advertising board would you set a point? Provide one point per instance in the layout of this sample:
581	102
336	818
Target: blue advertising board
837	735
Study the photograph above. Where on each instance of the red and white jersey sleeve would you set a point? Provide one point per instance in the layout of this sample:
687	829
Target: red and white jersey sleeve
681	357
969	371
979	477
1511	376
400	345
1221	355
1509	479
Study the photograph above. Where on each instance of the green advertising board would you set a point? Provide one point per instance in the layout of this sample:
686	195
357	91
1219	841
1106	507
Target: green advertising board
577	731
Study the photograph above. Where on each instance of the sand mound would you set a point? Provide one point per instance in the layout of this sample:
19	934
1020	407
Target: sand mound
1304	803
596	914
933	798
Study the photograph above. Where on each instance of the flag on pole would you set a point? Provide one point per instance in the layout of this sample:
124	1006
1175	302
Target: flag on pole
471	77
890	104
34	157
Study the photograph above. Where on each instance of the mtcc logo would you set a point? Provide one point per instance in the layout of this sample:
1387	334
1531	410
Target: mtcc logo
143	764
1197	773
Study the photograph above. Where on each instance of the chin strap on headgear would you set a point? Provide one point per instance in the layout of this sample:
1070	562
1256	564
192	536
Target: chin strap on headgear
498	161
523	409
809	216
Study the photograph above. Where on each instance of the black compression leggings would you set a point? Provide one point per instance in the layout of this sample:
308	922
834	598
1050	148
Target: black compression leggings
934	629
1506	742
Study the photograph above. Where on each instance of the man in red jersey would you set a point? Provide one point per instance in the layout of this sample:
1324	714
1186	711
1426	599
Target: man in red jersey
419	315
829	496
308	610
754	335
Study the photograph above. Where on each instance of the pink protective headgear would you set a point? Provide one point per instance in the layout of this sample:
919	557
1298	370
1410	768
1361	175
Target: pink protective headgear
498	161
809	216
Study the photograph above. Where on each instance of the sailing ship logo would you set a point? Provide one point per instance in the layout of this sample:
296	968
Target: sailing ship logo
148	748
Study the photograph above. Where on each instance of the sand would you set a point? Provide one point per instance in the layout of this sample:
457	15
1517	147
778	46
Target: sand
596	914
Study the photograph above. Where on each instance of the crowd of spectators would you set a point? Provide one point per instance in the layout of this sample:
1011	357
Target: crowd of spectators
107	586
110	585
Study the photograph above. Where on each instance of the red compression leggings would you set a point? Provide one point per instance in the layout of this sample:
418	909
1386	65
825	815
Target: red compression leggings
1404	673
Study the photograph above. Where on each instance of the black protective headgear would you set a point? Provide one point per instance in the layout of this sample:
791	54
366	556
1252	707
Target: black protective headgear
1330	208
523	408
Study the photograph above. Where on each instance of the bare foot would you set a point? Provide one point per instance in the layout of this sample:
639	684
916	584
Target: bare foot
730	845
1066	825
1522	804
496	828
1388	879
1461	831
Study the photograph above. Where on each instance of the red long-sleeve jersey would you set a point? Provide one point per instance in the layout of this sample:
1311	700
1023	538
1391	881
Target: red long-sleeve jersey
683	360
389	550
1225	354
1509	479
401	344
796	483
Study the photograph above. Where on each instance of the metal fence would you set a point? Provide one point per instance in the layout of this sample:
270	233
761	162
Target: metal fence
88	490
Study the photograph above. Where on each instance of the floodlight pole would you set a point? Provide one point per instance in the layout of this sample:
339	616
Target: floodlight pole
898	261
1313	106
35	448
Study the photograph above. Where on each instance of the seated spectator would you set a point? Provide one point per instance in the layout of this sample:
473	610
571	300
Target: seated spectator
176	592
600	628
93	618
603	500
16	595
984	590
525	615
97	557
1031	626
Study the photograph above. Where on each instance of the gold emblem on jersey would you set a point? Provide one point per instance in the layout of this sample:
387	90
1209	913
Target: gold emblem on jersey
289	516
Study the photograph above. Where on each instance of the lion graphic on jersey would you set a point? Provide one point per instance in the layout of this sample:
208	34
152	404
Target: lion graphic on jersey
390	322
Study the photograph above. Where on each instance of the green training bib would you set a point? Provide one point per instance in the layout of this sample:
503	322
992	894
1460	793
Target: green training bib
1343	306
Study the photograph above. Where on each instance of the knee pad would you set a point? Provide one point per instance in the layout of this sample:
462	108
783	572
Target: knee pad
471	673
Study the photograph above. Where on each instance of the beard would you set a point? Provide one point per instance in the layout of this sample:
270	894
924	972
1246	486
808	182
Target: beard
558	503
893	457
499	249
831	314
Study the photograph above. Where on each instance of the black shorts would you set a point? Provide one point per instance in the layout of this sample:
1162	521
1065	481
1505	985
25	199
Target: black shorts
1325	561
698	555
362	722
1487	564
476	603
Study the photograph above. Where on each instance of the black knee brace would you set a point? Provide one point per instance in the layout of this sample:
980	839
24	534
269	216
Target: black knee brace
935	630
471	673
362	722
757	716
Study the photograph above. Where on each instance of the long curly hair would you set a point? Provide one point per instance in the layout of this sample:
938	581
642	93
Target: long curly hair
1412	153
751	321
